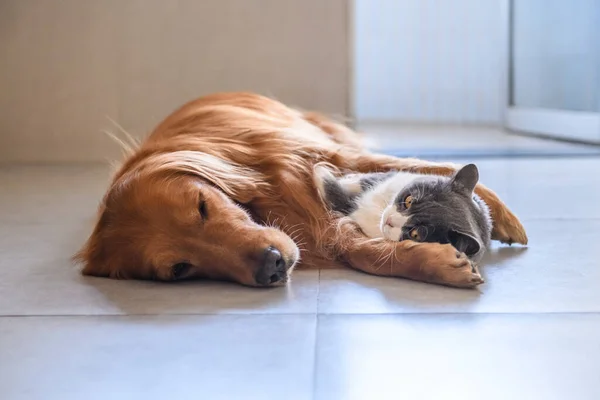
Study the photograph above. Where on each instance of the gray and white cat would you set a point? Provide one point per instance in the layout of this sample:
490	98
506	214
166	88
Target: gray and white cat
403	205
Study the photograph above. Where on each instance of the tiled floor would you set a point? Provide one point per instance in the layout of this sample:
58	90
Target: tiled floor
531	332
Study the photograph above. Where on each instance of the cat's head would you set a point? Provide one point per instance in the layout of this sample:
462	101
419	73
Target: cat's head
439	209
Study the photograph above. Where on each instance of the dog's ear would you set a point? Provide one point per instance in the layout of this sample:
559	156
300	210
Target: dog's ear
240	183
93	255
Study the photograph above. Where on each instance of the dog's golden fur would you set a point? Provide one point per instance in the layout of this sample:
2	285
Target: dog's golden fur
249	160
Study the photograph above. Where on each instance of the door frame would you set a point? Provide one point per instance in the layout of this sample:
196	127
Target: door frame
574	126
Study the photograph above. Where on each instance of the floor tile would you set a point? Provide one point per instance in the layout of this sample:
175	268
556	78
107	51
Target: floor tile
558	272
550	357
550	188
37	278
175	357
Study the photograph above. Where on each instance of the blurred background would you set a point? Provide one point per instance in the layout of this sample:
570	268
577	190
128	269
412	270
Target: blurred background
513	86
420	77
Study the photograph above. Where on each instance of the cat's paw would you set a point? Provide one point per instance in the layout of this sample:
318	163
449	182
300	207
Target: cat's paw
447	266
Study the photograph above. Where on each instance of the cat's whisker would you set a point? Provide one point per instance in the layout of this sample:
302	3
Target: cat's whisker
375	240
388	257
377	266
382	259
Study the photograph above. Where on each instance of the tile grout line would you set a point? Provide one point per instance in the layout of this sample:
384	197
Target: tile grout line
543	313
316	348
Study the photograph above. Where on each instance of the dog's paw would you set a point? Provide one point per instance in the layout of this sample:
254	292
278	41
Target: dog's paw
449	267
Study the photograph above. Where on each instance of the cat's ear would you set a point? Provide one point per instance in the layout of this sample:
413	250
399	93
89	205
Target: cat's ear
464	242
466	179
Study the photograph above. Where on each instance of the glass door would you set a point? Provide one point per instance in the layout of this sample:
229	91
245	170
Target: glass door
555	68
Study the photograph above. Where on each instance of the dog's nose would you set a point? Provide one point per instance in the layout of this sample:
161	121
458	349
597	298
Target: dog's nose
273	269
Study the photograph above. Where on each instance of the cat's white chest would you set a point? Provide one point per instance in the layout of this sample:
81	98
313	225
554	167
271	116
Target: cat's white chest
368	217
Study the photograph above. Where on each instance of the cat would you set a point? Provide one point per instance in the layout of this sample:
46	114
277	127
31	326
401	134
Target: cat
409	206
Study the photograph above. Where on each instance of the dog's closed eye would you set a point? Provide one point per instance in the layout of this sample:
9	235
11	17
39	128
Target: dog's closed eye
202	209
179	270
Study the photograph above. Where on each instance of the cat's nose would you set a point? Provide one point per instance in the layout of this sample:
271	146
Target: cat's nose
388	221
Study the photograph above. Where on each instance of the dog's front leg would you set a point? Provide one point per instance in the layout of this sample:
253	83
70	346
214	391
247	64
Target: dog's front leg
426	262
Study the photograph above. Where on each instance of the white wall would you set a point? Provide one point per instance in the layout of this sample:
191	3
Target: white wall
434	61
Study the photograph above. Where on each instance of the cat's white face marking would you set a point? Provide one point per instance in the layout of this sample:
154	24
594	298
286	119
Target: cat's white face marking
391	223
377	205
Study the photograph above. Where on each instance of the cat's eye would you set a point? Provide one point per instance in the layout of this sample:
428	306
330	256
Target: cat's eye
180	269
202	209
408	200
414	234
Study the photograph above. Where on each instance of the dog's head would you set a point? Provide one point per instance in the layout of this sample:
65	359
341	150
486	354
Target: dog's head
178	215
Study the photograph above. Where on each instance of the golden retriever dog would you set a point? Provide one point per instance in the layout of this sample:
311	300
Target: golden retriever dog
223	189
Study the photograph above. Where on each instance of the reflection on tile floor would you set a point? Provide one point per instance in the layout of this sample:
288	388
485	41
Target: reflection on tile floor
532	331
